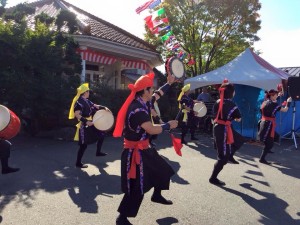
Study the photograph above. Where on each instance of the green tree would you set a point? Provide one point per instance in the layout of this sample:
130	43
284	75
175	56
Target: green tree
38	69
68	19
19	13
2	5
3	2
212	31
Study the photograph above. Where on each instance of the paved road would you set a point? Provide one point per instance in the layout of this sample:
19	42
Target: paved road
50	190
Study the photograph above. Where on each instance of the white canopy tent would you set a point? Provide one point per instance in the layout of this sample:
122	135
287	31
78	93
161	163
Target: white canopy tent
247	69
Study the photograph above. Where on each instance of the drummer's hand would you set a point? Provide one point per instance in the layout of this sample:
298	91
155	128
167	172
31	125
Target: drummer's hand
173	124
289	99
96	106
238	119
89	123
170	79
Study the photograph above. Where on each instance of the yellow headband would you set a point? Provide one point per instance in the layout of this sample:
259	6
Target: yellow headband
183	90
80	90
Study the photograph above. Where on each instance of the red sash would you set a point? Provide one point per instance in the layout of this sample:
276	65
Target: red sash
273	121
136	159
228	128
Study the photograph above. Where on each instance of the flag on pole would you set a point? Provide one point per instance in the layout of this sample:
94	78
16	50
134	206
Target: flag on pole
154	23
158	13
155	14
159	22
154	4
166	36
144	6
176	144
160	29
170	40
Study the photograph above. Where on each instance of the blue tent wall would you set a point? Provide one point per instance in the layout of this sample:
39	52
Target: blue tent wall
248	100
284	121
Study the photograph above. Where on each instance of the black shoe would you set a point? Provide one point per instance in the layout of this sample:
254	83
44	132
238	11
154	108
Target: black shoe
233	161
101	154
81	165
10	170
194	138
264	161
122	220
183	142
160	199
216	181
270	151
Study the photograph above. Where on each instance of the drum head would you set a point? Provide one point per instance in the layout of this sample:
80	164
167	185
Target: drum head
4	117
103	120
176	67
200	108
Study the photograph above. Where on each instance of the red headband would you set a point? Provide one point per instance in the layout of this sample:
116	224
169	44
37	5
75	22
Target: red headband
141	83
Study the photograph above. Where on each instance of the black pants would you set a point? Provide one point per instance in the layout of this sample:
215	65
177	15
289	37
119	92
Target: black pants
4	149
131	203
218	167
83	147
4	153
157	173
269	143
191	125
223	156
221	161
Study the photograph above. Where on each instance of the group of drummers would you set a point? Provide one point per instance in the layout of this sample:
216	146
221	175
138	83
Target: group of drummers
142	168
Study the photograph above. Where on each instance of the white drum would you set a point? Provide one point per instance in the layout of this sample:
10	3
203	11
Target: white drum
5	117
103	120
200	109
176	67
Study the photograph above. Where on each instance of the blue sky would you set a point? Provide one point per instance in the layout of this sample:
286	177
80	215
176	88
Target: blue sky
280	33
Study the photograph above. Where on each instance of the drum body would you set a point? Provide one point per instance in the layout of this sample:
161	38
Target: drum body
9	123
200	108
175	67
103	120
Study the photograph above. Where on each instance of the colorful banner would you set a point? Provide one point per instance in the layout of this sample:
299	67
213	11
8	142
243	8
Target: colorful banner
160	29
154	4
166	36
154	22
144	6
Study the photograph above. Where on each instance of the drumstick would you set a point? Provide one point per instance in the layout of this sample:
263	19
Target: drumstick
200	109
178	114
97	119
94	121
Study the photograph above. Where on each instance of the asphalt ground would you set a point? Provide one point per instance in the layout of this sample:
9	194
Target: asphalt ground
49	189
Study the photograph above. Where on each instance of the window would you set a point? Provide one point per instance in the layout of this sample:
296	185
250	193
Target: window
87	77
92	67
96	78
